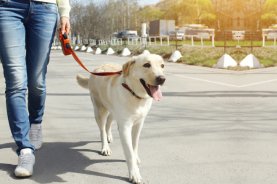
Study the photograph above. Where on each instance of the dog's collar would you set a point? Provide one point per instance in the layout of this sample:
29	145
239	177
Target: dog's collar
131	91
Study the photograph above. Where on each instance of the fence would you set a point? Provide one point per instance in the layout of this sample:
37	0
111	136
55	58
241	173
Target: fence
151	40
201	37
219	39
269	34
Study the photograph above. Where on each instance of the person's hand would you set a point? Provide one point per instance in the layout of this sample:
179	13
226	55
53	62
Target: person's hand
65	25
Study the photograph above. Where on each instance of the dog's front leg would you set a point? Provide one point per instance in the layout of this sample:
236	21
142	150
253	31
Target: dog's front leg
101	118
135	137
108	128
125	132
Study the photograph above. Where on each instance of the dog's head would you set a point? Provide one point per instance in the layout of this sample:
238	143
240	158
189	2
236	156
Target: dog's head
147	71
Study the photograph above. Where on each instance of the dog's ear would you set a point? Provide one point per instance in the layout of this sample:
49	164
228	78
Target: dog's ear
126	67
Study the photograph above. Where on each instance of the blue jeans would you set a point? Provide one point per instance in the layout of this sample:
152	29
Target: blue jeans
27	29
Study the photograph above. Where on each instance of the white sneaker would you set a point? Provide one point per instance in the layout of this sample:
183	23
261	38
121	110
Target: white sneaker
36	135
26	162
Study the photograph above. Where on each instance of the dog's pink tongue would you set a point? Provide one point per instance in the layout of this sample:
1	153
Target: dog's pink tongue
156	92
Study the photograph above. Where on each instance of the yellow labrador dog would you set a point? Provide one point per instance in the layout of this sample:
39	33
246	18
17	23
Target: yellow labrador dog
125	98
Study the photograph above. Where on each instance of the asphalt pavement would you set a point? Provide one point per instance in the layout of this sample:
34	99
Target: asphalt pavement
212	126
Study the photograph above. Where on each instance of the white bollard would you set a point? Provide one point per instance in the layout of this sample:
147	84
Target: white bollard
126	52
76	48
175	56
226	61
146	52
83	48
250	61
98	51
89	50
110	51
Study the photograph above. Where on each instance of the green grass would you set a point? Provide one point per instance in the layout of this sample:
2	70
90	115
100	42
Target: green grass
268	62
201	56
208	56
267	56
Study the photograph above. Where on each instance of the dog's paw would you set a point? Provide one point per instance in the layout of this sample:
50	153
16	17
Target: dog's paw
106	151
135	177
110	138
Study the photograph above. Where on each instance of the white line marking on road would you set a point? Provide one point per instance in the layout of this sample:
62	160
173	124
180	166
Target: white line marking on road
205	80
226	84
258	83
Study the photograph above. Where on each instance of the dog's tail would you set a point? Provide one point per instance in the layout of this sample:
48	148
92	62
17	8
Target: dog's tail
82	81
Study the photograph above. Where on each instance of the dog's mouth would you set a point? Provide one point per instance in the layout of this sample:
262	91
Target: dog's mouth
153	91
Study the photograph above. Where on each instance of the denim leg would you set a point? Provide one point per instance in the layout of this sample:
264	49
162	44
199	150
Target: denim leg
41	27
13	57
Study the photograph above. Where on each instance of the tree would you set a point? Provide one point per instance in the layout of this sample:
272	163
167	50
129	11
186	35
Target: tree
188	11
149	13
204	11
269	15
100	20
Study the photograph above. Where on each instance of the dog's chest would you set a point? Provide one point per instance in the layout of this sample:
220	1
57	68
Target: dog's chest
139	110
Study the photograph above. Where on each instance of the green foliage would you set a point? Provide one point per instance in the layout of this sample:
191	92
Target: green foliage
271	5
201	56
188	11
267	56
238	53
267	62
149	13
269	15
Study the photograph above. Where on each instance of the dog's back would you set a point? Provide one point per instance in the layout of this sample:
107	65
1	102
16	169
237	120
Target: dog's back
94	81
108	68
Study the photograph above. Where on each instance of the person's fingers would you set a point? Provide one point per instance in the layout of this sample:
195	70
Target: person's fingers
62	29
65	25
67	28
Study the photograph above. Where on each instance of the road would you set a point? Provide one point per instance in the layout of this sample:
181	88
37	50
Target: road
212	126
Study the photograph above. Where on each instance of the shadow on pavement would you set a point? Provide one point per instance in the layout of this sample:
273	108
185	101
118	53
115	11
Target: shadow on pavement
193	94
57	158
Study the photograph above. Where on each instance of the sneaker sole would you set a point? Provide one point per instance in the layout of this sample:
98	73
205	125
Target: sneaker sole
22	173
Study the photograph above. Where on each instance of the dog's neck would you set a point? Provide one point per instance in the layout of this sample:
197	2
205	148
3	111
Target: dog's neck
127	84
131	91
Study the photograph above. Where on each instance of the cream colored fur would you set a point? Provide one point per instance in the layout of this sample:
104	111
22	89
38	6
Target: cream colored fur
112	102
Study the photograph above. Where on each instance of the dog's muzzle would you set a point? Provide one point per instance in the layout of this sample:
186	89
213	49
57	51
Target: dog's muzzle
160	80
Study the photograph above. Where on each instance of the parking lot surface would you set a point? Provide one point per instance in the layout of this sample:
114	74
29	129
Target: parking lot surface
211	127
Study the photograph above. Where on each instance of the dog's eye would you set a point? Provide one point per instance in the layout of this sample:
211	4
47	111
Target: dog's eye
162	65
147	65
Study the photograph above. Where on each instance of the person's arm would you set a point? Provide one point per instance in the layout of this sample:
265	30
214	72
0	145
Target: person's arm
64	9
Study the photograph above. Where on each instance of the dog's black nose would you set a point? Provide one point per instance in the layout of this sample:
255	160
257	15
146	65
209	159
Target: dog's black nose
160	80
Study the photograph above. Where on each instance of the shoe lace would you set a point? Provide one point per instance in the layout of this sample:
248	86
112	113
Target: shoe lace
24	159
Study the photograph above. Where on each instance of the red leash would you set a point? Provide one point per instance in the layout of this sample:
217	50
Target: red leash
67	50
